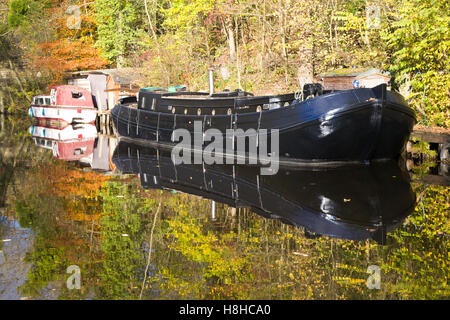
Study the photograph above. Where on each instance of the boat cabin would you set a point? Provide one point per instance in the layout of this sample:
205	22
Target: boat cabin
44	143
226	102
42	101
351	78
65	96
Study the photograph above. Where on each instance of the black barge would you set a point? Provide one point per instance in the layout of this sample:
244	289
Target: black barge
315	127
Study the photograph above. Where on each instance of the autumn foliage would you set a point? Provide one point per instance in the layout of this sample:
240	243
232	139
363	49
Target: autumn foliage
77	189
70	49
65	55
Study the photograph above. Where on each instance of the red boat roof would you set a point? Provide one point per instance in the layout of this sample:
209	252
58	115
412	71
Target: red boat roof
74	150
69	95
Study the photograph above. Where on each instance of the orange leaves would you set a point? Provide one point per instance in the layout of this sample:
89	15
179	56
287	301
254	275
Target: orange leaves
77	189
73	47
64	181
65	55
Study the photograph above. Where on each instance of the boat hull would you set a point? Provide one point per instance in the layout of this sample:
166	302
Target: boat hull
67	114
68	133
348	126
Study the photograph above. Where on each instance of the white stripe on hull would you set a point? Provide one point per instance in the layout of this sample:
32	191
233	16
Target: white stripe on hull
84	131
70	115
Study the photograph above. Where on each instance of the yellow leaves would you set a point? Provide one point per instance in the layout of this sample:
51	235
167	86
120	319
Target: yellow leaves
217	257
300	254
349	280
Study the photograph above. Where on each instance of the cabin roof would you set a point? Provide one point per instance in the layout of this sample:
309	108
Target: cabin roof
123	76
69	87
354	72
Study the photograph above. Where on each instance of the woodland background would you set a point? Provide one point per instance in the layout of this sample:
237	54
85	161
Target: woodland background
262	46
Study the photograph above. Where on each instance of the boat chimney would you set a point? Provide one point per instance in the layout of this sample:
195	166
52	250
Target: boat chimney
211	80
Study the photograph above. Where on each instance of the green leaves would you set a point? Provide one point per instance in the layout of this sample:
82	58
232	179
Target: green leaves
419	41
18	10
119	27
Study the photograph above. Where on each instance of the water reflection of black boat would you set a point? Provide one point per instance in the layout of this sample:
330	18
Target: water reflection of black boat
357	202
342	126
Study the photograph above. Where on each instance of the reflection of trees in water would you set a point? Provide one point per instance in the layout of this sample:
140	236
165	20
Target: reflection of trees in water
11	147
103	226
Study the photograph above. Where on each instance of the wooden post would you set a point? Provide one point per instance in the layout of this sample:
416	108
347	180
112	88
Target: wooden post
108	127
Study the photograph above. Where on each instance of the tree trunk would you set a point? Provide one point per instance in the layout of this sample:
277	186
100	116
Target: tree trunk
238	67
120	58
263	37
2	113
231	41
283	38
155	39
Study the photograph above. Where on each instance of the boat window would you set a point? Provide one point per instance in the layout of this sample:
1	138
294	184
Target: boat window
47	101
76	95
40	101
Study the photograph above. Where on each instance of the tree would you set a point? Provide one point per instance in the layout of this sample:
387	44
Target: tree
119	28
420	39
19	11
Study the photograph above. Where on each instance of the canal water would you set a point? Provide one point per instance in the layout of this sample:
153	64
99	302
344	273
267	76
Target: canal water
86	217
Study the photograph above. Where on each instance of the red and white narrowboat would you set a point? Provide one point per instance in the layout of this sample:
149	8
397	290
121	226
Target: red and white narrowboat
70	143
70	104
71	132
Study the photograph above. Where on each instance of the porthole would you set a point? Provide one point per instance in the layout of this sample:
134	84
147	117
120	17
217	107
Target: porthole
199	111
213	112
185	110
